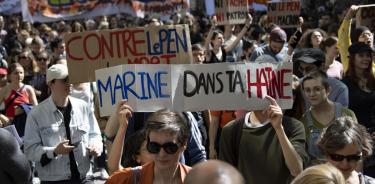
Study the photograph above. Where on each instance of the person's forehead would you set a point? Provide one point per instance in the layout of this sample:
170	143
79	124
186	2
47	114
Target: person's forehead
162	136
315	82
349	149
315	33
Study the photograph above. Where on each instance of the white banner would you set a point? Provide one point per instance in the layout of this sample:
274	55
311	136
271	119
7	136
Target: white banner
194	87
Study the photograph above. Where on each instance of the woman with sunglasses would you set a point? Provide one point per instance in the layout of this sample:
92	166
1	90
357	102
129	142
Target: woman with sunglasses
29	64
345	143
166	135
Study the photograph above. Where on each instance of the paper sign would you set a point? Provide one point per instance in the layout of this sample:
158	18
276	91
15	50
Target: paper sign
231	11
366	17
194	87
92	50
285	14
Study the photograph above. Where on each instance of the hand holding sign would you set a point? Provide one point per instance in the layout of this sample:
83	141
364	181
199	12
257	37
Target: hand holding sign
124	112
351	12
274	112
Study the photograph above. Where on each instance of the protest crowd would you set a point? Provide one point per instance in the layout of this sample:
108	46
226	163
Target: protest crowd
56	126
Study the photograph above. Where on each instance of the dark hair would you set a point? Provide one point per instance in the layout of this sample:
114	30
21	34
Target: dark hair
316	75
344	131
306	37
353	76
12	67
165	120
329	42
132	147
55	43
215	33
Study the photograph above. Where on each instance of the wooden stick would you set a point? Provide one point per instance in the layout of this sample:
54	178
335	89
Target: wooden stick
366	5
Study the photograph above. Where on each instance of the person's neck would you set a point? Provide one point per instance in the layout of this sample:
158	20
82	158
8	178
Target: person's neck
165	175
352	178
359	72
258	117
323	107
216	50
329	60
60	101
16	85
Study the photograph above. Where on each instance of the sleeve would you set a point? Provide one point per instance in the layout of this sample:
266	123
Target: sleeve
297	137
195	151
226	152
17	166
94	133
33	147
343	95
344	42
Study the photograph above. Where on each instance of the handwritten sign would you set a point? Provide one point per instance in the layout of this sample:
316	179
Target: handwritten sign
366	17
285	13
93	50
194	87
231	11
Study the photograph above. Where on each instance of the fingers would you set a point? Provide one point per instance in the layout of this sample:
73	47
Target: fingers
271	100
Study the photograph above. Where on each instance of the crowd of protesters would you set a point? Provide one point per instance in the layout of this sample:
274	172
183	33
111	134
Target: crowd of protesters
327	136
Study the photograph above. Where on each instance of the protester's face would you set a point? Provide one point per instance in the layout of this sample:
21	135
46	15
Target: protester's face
276	47
61	87
345	166
306	68
3	80
24	59
61	48
366	37
17	75
363	60
324	20
332	51
198	56
36	48
144	156
316	39
315	91
43	61
218	41
164	160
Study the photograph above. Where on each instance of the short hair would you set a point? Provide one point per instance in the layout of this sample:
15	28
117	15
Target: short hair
329	42
319	74
197	47
55	43
323	173
344	131
165	120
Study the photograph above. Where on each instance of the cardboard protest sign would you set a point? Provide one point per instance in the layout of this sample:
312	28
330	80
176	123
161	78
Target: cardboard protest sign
231	11
92	50
194	87
285	13
366	17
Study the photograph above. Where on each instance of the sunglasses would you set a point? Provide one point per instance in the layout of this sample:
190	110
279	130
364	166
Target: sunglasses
154	148
42	59
349	158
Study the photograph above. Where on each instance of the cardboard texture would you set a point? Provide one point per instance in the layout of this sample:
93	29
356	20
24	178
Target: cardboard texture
285	14
231	11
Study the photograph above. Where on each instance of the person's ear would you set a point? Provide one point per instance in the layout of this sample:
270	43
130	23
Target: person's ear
329	90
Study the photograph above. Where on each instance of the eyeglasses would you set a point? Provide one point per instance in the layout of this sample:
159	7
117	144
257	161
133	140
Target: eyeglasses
349	158
169	147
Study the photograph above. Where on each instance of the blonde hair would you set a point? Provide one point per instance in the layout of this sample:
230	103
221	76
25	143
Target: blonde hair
320	174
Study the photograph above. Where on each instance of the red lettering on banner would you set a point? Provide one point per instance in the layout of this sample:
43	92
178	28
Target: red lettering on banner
86	46
68	46
272	80
238	3
167	57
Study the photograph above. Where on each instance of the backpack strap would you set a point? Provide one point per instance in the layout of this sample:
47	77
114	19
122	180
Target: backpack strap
236	138
18	93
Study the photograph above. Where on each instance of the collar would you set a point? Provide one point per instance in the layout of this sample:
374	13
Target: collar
148	172
249	124
52	106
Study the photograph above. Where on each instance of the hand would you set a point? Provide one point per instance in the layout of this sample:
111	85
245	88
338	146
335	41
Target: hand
124	112
213	21
213	154
292	40
300	23
351	12
275	113
94	151
249	20
63	148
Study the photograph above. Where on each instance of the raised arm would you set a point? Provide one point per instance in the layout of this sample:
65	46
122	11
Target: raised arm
124	112
248	21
